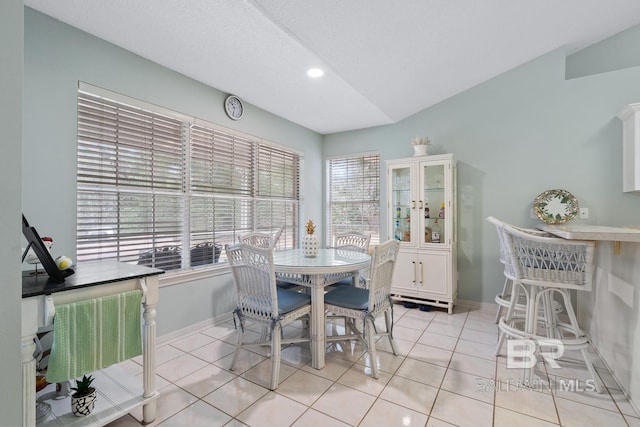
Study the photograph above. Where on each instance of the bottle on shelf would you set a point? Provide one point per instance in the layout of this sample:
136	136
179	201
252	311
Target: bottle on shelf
426	211
442	210
435	232
398	212
406	237
397	233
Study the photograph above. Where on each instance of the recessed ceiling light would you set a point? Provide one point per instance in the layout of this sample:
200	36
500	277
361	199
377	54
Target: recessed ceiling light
315	72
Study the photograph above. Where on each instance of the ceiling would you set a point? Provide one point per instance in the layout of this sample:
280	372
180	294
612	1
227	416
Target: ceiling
383	60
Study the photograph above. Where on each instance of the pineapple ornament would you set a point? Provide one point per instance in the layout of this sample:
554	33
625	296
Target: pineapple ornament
310	243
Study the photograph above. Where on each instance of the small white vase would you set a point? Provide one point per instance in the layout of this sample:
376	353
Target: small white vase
310	245
420	150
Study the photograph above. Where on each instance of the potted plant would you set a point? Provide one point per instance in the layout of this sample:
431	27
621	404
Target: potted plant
310	243
420	145
84	397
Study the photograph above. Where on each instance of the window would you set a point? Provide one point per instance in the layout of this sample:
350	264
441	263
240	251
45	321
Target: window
152	182
353	195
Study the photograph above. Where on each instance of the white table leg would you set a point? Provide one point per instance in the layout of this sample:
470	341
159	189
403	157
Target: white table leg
317	328
28	347
149	350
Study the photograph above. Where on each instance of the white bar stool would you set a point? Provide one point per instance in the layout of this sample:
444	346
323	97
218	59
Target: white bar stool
541	268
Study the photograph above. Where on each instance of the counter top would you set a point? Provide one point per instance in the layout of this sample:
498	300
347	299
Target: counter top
593	232
86	274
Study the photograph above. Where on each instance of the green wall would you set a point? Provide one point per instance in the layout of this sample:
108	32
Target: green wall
56	57
514	136
11	36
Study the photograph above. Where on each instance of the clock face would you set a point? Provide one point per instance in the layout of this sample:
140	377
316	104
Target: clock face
234	108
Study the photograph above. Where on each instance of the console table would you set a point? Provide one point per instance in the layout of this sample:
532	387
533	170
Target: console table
118	391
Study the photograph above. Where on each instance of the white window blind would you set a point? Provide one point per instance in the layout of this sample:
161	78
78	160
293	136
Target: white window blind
150	184
278	192
353	196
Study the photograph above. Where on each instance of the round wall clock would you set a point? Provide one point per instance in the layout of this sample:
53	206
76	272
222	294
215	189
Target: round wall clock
233	107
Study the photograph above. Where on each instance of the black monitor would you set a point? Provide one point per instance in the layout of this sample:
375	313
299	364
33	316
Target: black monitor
43	254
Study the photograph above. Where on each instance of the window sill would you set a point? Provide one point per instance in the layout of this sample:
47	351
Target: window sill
176	278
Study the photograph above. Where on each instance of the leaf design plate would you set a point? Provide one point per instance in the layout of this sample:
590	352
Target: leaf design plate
555	206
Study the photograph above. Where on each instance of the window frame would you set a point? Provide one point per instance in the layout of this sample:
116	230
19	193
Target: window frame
370	227
288	163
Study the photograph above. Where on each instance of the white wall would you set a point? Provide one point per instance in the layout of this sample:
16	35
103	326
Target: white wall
56	57
11	35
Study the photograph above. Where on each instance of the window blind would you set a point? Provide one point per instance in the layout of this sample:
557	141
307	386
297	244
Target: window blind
278	193
353	196
150	184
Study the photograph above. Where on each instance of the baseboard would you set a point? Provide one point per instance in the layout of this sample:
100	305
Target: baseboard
478	305
634	405
192	329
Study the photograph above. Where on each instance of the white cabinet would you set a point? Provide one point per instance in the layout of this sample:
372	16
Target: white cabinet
421	214
630	117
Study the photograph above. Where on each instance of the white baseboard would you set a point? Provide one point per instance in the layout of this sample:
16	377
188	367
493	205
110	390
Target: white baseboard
478	305
192	329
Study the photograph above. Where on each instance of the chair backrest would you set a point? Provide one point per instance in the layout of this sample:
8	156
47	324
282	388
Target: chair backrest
276	236
261	239
254	280
383	262
258	239
545	260
505	258
352	241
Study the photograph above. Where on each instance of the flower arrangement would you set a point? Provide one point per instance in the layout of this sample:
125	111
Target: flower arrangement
420	140
311	228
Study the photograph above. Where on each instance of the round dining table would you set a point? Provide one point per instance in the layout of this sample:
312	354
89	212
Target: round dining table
327	267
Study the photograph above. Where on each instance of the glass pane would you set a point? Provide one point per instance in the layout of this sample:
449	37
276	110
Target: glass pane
401	202
434	204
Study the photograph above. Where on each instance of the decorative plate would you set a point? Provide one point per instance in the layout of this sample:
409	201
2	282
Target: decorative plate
555	206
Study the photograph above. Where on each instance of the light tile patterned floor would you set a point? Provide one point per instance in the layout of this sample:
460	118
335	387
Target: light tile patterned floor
446	375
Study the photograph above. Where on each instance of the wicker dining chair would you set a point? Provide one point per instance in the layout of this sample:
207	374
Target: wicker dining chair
358	304
357	242
261	301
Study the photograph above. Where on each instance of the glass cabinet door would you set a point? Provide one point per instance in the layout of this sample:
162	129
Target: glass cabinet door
401	203
434	199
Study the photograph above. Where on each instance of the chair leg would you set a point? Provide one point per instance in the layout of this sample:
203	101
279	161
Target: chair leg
505	292
573	321
239	337
371	347
515	295
388	320
264	335
276	348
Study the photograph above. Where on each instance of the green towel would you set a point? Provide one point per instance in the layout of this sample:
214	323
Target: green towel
93	334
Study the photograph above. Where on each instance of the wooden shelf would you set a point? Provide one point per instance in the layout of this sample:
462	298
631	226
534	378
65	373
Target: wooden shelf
119	392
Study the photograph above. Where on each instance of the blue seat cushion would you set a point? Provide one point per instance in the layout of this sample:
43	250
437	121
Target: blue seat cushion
286	285
348	297
347	282
289	300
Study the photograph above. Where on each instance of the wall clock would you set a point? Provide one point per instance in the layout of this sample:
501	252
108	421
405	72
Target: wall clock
233	107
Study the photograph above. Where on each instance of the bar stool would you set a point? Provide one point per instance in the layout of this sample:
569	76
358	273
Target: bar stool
503	299
541	268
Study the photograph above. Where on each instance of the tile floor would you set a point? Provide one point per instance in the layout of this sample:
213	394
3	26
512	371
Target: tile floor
446	375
